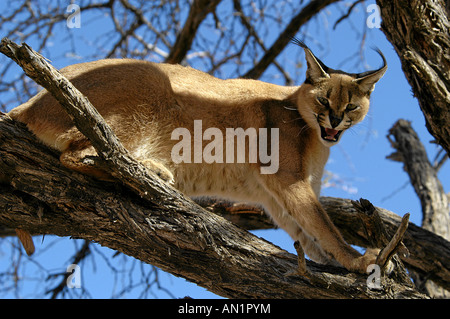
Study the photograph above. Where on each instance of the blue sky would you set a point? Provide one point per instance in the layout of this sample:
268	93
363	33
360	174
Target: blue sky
358	164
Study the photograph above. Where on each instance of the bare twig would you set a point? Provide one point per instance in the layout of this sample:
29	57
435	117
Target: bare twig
309	11
81	254
440	159
254	34
199	10
395	244
345	16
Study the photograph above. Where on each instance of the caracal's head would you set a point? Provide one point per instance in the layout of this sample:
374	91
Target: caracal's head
331	101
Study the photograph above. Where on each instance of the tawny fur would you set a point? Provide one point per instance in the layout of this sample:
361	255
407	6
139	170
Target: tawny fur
144	102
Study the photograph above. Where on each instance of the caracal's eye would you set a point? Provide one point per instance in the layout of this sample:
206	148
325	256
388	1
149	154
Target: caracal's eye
351	107
323	101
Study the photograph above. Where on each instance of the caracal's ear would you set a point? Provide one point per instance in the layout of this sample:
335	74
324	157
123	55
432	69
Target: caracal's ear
367	80
316	69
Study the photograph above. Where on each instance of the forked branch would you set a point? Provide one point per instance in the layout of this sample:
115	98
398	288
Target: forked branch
395	244
376	232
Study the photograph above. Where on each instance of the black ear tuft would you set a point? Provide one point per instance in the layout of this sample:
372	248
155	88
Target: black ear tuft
367	80
384	66
299	42
316	68
302	44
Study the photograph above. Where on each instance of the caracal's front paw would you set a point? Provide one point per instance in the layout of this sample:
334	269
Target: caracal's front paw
361	263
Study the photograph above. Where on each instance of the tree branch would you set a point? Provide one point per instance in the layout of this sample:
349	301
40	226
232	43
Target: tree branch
429	253
349	11
309	11
424	179
419	32
254	34
175	235
411	152
199	11
87	120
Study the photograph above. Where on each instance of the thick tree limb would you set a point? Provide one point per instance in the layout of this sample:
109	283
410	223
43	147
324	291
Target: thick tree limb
174	235
429	253
424	179
158	225
419	32
387	259
411	152
254	34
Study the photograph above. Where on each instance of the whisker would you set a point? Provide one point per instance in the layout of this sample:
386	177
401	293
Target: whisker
290	121
290	108
348	124
304	128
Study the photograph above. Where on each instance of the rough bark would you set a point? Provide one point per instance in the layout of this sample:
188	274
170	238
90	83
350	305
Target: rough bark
429	253
411	152
173	234
142	216
423	176
419	32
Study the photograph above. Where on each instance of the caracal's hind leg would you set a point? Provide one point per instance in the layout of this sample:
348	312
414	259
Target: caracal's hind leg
80	154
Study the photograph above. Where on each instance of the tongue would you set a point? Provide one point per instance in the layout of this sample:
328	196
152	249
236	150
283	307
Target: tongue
331	134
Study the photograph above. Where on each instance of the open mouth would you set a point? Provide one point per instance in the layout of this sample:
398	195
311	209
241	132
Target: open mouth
330	134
